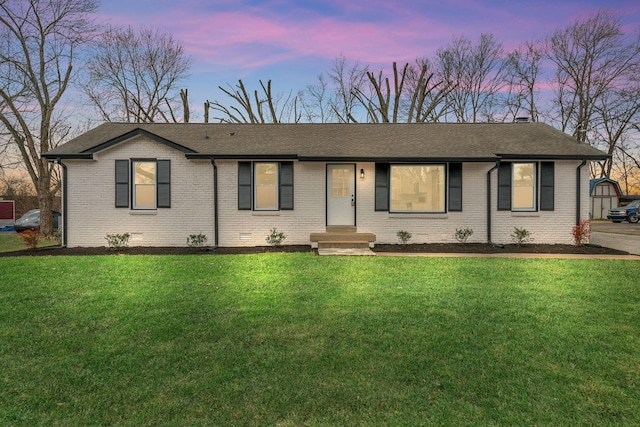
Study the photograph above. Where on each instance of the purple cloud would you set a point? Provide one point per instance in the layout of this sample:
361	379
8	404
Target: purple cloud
235	38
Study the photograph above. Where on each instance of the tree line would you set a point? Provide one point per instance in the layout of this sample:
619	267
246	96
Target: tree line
583	79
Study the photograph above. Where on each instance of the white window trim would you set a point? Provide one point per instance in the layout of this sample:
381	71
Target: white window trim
255	187
135	186
444	189
535	187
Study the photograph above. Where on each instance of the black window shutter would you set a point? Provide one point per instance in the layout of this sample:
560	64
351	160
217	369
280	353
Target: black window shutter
285	181
122	183
455	186
547	178
504	187
163	179
244	186
382	187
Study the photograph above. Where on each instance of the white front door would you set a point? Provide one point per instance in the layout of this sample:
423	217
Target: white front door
341	201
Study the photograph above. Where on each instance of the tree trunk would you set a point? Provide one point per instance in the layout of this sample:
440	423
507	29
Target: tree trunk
45	203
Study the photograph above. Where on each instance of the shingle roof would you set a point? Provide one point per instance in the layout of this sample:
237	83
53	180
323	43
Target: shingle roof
362	142
596	181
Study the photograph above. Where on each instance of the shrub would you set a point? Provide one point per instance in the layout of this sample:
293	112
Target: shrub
275	237
30	238
581	232
118	241
462	234
196	240
521	236
58	236
403	236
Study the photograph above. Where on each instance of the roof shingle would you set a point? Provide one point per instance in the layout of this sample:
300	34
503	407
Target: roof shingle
479	141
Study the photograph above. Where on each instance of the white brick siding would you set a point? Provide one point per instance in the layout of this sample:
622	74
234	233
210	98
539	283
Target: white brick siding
91	213
250	228
545	226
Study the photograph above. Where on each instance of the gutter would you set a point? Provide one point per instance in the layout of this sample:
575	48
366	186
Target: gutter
53	157
496	166
215	203
578	173
63	242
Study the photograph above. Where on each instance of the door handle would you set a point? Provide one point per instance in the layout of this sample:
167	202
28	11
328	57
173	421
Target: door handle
353	201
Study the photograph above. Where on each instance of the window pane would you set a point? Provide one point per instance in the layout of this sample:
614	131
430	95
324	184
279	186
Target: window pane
266	186
145	172
144	187
266	173
266	197
417	188
340	182
145	196
524	186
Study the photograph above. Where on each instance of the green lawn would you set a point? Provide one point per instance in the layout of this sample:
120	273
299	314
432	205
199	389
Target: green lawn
10	241
297	339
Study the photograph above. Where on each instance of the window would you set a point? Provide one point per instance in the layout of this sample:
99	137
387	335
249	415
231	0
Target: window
148	182
524	187
413	194
265	186
417	188
144	185
340	182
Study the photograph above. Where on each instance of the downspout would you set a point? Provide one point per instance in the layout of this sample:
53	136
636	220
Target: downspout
215	203
63	242
489	203
578	173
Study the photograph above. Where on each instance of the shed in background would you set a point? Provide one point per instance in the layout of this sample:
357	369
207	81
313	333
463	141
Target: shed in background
605	195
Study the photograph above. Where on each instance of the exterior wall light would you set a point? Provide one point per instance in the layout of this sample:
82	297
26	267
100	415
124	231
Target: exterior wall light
362	173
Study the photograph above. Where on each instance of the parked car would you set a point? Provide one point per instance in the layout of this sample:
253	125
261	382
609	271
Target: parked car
625	213
31	221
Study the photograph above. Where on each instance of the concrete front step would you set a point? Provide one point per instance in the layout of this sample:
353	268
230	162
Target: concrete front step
342	237
341	229
343	244
336	236
346	252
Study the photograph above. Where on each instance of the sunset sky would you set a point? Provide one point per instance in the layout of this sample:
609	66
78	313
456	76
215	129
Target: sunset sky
291	42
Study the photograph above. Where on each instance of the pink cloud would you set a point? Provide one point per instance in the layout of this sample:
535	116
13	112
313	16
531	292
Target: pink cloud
236	39
243	39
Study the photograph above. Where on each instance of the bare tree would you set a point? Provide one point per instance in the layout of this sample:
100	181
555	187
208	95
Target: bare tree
349	79
259	107
626	169
134	76
523	68
416	96
40	41
476	70
591	57
615	114
596	82
316	102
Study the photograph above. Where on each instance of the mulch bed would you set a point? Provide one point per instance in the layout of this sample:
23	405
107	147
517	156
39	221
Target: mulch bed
412	248
485	248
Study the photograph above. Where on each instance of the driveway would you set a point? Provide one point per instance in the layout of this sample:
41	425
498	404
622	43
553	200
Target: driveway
622	236
616	228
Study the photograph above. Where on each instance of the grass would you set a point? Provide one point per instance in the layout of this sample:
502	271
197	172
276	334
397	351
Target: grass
10	241
296	339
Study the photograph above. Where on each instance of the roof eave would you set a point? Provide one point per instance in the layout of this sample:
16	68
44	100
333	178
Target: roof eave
554	156
74	156
134	133
390	159
204	156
